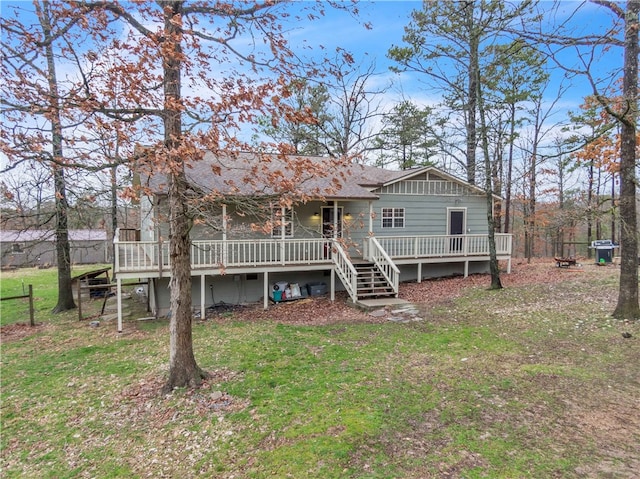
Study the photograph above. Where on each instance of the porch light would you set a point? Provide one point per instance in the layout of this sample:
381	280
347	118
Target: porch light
316	214
347	215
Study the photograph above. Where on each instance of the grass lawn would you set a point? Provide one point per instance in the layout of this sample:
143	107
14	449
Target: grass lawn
533	381
45	293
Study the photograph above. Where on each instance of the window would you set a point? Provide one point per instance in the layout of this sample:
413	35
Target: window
17	248
393	217
279	221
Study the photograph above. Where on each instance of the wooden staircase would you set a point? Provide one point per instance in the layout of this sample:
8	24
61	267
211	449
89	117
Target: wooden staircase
371	283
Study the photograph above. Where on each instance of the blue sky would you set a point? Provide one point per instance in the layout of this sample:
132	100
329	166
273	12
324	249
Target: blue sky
390	17
338	29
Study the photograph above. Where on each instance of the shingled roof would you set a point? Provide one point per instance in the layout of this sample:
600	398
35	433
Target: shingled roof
248	174
28	236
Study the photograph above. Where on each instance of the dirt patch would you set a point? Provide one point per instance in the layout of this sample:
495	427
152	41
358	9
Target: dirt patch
17	331
205	400
316	311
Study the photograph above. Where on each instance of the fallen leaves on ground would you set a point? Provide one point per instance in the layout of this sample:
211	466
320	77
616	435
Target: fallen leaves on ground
321	310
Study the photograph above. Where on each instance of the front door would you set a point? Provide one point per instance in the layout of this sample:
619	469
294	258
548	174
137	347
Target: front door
328	223
456	226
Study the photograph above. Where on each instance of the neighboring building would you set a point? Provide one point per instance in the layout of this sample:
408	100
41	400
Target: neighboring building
38	247
381	227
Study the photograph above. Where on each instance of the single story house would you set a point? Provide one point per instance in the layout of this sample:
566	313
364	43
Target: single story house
378	227
21	248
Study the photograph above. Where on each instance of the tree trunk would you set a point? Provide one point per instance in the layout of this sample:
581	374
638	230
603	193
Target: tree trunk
507	200
183	369
590	211
474	62
628	306
494	267
532	204
63	249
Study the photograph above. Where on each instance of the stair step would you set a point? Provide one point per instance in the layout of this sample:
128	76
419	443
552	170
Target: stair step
370	276
369	295
373	284
384	287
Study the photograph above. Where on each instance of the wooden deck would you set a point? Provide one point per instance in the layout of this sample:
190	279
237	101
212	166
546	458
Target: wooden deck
151	258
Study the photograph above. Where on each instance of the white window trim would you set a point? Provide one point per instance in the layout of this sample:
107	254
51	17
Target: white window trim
393	218
464	218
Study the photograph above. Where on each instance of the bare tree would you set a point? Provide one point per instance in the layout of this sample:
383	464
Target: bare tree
556	40
354	104
35	109
153	65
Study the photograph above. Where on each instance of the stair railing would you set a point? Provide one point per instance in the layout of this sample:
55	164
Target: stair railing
345	269
384	263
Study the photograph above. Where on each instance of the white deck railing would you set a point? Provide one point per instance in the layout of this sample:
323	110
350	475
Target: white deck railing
381	258
434	246
132	256
345	271
141	256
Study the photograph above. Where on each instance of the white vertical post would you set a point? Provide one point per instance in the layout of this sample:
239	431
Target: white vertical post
266	290
225	247
119	299
116	251
333	284
466	269
203	315
419	272
370	217
283	233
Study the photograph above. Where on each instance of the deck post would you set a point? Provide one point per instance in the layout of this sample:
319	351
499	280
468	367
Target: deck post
160	258
119	298
225	246
466	269
116	251
266	290
333	284
370	217
419	272
203	315
283	234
